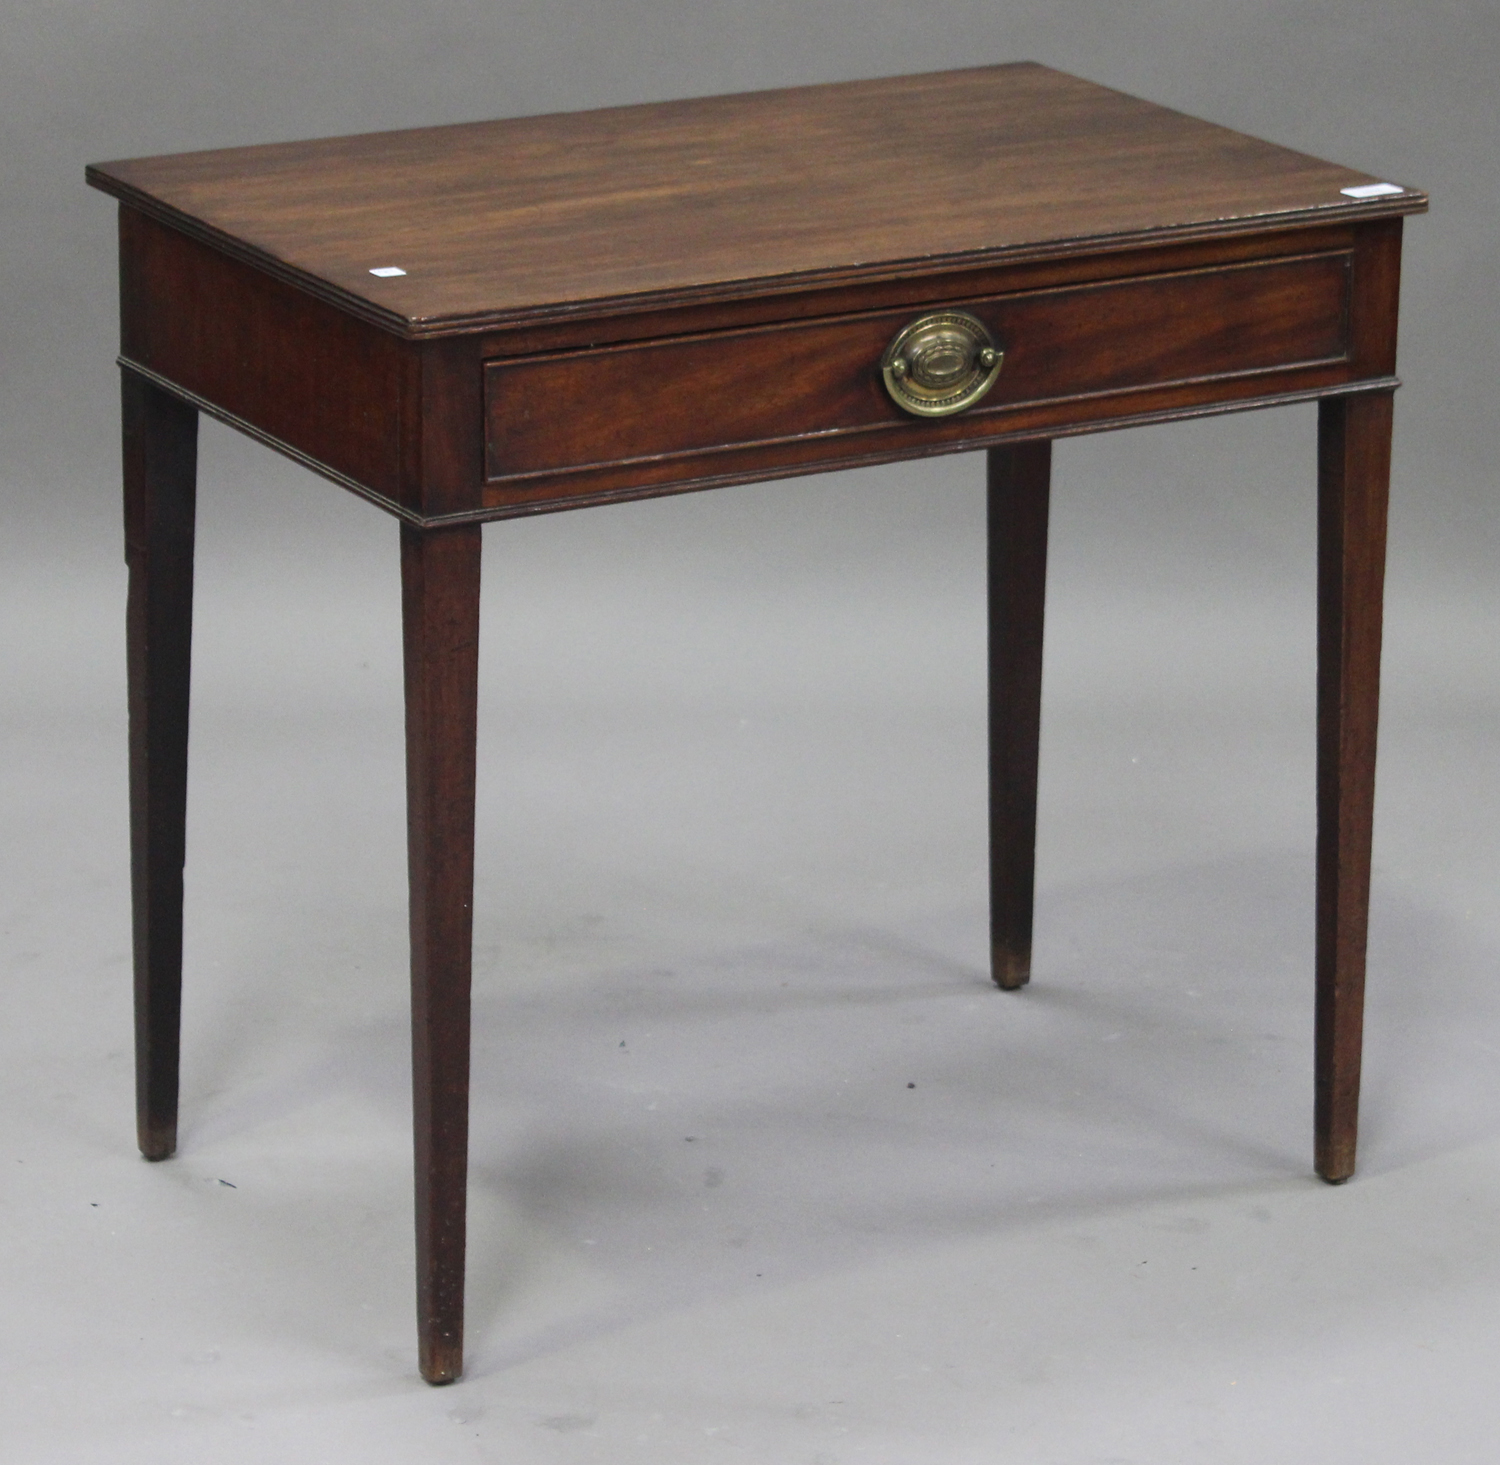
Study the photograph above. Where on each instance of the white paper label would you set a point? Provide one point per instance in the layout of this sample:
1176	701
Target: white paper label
1373	190
388	272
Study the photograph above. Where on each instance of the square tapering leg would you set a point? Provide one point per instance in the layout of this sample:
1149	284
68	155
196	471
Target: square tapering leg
1019	492
1354	462
160	463
440	610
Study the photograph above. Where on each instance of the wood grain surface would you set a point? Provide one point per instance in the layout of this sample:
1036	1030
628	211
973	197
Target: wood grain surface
690	201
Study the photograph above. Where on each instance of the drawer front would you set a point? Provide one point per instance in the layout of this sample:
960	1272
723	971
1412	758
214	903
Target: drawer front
819	383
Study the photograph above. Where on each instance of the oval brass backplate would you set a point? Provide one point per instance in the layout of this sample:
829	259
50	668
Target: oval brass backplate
940	364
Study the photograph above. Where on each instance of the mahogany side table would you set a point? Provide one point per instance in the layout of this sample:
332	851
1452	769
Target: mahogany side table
481	321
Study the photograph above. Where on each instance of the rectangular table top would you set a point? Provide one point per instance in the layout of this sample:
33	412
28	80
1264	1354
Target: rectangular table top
682	202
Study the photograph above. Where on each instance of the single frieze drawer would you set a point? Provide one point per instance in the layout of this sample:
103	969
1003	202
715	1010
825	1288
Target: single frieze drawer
821	381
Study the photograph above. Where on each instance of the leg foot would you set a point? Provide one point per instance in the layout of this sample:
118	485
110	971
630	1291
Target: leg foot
1019	492
160	460
1354	455
440	607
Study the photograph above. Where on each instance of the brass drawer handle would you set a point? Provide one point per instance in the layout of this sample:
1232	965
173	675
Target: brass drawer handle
940	364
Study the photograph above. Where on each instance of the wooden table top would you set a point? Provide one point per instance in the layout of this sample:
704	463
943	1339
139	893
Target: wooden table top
538	218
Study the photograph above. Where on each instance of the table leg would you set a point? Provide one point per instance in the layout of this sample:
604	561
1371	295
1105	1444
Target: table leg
161	462
1354	458
1019	482
440	611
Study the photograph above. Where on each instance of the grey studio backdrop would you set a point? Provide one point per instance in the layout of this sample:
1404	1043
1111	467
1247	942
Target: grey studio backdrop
761	1168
